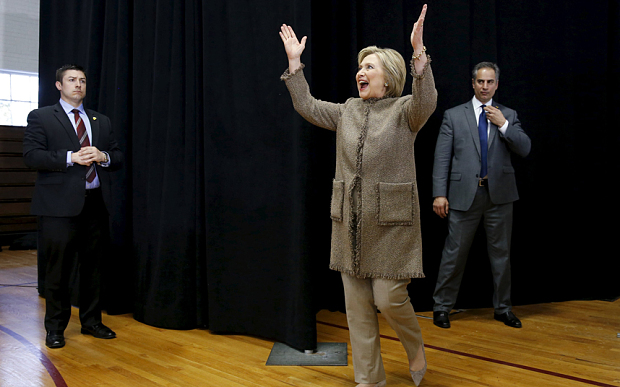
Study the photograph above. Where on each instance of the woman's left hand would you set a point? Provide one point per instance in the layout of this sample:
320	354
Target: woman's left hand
416	34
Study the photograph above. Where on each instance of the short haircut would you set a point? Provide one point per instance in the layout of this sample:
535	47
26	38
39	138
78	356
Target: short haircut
60	73
485	65
393	66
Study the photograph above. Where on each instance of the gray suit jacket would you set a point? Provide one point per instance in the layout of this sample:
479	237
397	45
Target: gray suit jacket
457	157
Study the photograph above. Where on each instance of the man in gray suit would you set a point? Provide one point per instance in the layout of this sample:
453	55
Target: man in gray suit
473	180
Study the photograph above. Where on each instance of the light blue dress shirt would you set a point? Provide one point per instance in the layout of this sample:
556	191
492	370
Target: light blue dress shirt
68	109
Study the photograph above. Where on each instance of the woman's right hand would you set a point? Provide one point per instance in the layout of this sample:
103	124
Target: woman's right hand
292	46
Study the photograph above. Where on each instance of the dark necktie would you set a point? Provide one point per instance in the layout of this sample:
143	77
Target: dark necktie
482	132
84	141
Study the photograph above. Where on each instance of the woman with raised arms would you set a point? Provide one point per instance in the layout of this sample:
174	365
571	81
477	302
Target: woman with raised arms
376	240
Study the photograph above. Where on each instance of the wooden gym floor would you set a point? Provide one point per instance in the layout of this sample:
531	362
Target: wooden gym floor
568	344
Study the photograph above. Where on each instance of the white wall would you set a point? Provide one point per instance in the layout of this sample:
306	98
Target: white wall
19	35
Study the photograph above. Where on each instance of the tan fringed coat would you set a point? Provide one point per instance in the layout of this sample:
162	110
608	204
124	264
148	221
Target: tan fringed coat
374	208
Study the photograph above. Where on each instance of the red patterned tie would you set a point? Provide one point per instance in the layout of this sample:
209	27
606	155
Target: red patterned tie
84	141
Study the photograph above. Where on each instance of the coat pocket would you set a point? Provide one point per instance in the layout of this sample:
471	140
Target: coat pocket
395	204
337	200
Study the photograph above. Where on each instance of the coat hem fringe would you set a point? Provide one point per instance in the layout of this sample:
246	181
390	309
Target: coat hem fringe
377	275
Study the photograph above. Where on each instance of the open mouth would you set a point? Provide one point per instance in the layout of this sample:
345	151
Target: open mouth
363	85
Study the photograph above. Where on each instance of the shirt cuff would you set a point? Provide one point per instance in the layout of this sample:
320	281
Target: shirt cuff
107	164
504	127
69	163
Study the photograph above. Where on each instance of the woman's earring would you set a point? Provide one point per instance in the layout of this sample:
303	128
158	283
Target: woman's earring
386	84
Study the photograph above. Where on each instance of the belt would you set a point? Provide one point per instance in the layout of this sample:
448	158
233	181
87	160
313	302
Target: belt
483	182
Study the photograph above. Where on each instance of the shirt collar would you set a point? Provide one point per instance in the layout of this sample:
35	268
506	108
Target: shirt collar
477	103
67	107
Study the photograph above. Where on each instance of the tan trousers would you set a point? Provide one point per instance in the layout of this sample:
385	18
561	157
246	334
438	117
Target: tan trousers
362	298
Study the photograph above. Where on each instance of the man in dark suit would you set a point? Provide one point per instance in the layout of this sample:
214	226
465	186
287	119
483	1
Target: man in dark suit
473	180
73	150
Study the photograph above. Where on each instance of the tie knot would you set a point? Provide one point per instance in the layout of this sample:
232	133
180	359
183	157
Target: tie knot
483	113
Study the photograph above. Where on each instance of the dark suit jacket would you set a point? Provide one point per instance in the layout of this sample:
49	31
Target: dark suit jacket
458	158
60	190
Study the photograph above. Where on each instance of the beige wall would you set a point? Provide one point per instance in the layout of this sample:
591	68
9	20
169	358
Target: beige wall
19	35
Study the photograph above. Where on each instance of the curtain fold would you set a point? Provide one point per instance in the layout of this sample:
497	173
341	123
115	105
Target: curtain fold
168	181
94	35
220	244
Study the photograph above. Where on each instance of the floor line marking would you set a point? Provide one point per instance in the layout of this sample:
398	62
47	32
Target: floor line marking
18	285
57	378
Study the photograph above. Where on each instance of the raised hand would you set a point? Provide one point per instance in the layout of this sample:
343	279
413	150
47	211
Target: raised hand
419	51
416	33
292	46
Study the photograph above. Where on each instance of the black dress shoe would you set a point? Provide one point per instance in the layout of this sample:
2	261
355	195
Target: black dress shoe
55	339
441	319
100	331
509	319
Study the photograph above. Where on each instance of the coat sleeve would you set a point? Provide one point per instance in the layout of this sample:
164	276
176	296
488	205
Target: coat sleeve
515	137
35	147
443	157
320	113
423	99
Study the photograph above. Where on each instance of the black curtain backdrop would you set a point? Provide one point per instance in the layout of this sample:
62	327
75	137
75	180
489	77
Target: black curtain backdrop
221	217
94	34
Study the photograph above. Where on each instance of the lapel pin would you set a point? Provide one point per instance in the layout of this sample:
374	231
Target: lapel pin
94	118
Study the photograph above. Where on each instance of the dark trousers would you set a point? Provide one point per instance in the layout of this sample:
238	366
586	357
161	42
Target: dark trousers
462	226
66	242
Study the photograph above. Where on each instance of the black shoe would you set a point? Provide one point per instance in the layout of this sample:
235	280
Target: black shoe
55	339
441	319
100	331
509	319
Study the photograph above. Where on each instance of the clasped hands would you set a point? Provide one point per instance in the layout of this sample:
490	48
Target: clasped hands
88	155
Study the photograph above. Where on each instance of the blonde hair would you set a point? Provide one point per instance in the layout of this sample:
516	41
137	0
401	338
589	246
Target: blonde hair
393	66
